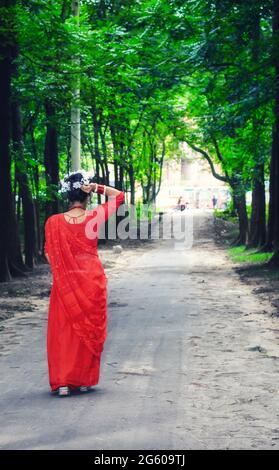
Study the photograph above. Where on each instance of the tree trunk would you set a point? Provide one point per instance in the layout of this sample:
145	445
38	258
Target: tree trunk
115	155
274	174
22	175
240	204
36	199
5	160
257	235
10	254
121	167
132	185
51	160
272	187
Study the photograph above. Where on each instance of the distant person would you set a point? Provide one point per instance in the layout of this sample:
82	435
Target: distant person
214	201
181	203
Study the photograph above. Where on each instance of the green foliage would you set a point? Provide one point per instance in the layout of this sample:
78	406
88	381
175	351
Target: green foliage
225	214
230	91
241	254
144	212
152	73
128	59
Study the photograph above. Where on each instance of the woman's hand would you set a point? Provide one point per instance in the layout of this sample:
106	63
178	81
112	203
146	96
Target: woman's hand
101	189
87	188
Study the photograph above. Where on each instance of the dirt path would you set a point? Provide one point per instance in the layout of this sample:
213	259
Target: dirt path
191	361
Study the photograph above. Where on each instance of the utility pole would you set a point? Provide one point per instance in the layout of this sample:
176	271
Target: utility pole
75	111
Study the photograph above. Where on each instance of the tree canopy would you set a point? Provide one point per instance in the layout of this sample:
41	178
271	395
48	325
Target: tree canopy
151	74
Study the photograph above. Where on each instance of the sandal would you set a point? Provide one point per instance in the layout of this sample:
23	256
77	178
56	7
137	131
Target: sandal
64	391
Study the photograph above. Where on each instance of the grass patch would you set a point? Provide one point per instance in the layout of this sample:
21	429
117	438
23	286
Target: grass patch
240	254
225	215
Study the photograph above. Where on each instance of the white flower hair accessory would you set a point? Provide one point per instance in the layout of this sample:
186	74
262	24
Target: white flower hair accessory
68	186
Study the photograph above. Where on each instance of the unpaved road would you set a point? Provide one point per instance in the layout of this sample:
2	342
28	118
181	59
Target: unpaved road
191	362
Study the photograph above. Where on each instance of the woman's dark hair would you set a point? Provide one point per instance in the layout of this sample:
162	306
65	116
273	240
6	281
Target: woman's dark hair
76	194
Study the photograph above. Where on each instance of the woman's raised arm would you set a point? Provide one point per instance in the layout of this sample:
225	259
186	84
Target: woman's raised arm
108	208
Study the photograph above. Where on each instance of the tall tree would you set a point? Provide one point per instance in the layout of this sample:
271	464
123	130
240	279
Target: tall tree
274	166
10	255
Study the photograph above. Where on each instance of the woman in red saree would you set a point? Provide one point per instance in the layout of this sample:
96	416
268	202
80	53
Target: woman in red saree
77	316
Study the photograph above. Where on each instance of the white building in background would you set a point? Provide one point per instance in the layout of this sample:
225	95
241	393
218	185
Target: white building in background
191	177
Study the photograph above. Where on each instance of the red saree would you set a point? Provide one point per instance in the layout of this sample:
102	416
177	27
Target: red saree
77	316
